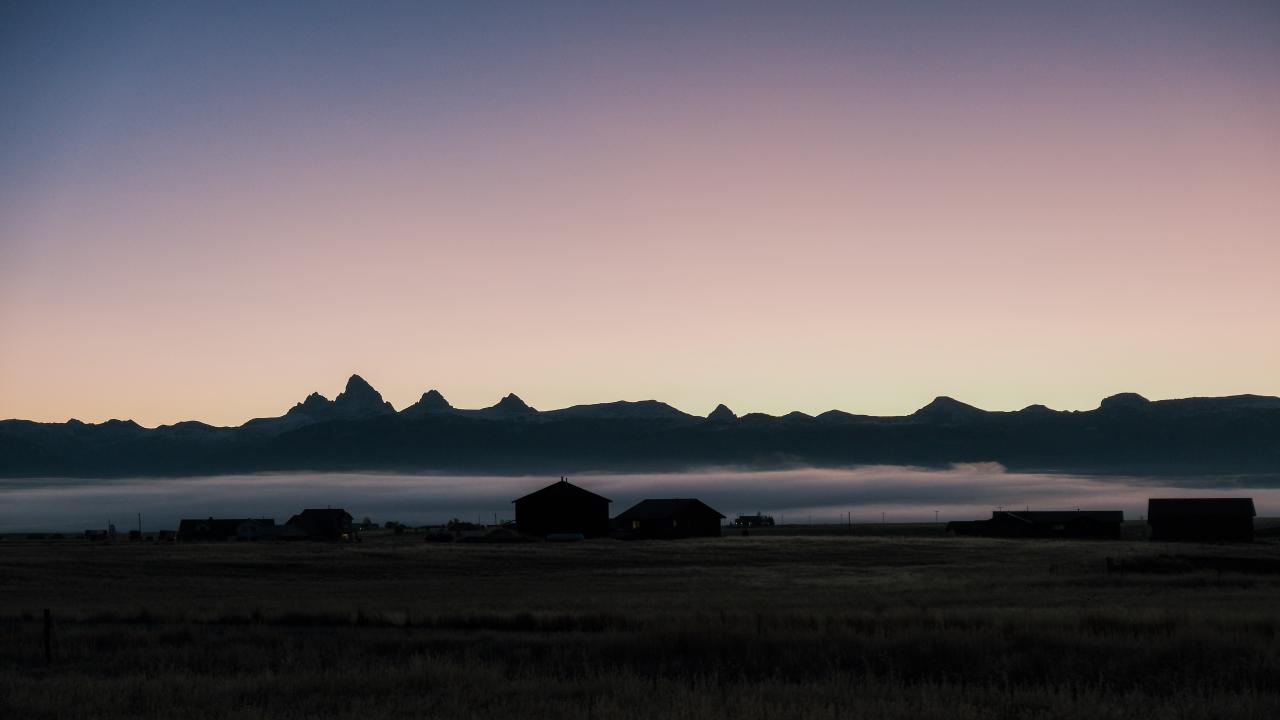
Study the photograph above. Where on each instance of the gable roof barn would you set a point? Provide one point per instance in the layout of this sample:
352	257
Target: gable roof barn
562	508
558	490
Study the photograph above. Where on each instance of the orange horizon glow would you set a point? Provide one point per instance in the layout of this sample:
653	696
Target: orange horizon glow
777	213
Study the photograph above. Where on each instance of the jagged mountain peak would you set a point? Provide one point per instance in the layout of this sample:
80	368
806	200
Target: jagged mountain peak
511	405
722	413
431	401
314	404
358	386
359	399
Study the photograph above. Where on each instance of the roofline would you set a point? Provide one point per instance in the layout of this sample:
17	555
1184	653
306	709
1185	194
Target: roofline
561	481
1239	501
696	500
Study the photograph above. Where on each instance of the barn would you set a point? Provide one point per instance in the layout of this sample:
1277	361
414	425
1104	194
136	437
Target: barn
1201	519
322	524
1078	524
562	508
669	518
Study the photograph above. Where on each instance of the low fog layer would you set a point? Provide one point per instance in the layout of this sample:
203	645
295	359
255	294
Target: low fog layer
902	494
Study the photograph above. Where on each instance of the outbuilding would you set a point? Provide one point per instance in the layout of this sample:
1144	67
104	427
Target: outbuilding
226	529
1201	519
669	518
328	524
562	508
1078	524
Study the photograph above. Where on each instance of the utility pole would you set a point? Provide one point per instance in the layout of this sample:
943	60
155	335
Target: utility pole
935	517
139	523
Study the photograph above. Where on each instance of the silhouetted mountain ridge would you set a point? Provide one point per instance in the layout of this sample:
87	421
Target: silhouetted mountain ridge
620	409
359	430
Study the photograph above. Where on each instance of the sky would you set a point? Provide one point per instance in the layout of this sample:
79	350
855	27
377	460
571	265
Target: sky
210	210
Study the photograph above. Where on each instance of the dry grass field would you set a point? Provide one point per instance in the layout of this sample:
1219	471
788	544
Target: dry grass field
895	623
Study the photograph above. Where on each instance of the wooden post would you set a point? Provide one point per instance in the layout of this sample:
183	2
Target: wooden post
48	637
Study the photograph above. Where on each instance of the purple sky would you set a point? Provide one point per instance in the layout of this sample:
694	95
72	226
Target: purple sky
208	210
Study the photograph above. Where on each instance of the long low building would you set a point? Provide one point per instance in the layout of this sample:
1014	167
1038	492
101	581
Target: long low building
1201	519
226	529
1081	524
328	524
669	518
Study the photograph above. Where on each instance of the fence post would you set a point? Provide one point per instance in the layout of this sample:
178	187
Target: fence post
48	637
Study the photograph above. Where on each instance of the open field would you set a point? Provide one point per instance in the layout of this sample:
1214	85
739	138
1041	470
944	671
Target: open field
797	625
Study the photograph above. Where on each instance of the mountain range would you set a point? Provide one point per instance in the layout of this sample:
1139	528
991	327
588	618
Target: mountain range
359	431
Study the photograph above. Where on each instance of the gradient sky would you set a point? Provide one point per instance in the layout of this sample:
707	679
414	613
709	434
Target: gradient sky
208	210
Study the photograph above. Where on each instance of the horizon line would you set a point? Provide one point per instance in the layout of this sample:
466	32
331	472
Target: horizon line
400	410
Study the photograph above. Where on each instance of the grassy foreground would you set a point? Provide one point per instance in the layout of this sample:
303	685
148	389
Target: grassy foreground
739	627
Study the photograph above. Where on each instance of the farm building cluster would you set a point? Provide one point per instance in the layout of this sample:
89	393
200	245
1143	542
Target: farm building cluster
564	511
327	524
1172	519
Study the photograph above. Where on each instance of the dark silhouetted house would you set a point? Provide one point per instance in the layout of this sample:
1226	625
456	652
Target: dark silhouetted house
329	524
757	520
670	518
1081	524
226	529
562	508
1201	519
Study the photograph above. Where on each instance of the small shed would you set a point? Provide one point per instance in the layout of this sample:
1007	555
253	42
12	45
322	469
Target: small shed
328	524
1078	524
562	508
670	518
751	521
1201	519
